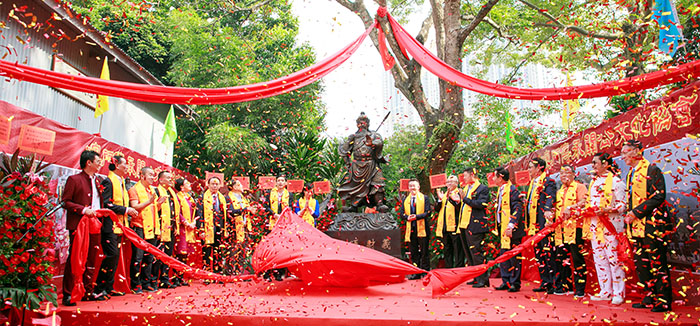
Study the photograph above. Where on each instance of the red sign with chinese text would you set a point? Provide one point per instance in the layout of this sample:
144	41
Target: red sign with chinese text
295	185
36	140
266	182
491	178
322	187
438	180
245	182
5	128
522	178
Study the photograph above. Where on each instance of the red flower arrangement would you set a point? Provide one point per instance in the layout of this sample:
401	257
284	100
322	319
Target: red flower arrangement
25	263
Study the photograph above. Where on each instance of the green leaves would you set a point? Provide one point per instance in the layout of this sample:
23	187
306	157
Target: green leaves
19	164
18	296
239	149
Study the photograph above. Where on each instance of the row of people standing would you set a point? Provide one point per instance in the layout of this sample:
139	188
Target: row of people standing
167	215
637	203
462	223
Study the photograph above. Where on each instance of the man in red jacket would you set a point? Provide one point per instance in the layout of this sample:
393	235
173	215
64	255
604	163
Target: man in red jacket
81	197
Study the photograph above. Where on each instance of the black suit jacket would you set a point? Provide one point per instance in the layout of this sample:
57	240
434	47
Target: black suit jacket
77	195
656	185
517	215
478	223
545	203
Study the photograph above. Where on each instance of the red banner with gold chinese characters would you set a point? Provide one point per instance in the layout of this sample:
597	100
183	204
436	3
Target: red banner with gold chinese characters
660	121
69	143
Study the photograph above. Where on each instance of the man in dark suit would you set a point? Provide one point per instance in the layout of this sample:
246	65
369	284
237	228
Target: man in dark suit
511	228
539	213
81	197
416	211
277	200
115	198
648	221
473	224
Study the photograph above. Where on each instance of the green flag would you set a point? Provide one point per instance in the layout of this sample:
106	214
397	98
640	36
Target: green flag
510	138
170	134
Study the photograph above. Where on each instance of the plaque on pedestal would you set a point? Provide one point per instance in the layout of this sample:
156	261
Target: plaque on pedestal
378	231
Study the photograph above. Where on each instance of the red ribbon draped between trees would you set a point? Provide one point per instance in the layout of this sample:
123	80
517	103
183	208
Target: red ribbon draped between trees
285	84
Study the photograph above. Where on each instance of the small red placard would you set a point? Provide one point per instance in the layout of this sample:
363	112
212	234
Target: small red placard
37	140
438	180
322	187
208	175
245	182
462	179
403	184
491	177
522	178
5	128
266	183
295	185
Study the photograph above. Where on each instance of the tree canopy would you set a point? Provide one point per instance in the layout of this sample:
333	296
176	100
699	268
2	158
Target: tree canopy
220	44
606	40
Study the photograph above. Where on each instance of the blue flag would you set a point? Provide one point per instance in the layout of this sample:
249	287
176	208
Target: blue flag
670	29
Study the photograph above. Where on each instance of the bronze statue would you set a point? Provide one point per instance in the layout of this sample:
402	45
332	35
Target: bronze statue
363	184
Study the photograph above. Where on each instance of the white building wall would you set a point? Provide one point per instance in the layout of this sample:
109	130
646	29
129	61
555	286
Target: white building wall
136	125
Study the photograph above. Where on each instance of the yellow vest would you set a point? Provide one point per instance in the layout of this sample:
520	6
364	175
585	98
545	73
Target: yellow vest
638	195
420	209
166	216
178	210
151	225
566	231
532	203
312	208
188	213
208	206
447	215
120	197
465	215
274	194
238	220
505	214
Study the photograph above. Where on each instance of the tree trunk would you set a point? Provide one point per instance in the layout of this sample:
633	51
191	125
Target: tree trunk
443	124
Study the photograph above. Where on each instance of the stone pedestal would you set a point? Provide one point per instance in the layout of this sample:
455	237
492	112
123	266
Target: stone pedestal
377	231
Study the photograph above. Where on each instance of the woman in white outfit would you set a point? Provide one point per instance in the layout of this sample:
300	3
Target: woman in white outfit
608	198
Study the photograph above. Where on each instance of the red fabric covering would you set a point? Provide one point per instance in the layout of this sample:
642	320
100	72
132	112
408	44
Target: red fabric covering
179	95
163	257
79	253
444	280
629	85
320	260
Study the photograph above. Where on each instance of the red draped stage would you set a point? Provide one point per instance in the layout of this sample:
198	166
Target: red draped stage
293	302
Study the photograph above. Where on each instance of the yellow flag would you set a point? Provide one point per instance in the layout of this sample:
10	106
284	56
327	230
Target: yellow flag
103	101
570	107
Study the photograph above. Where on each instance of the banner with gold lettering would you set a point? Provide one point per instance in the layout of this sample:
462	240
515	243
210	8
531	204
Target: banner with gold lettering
661	121
62	145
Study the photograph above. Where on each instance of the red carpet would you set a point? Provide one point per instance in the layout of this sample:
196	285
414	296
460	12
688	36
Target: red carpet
292	303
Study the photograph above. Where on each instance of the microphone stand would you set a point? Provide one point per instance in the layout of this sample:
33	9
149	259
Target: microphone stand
32	229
